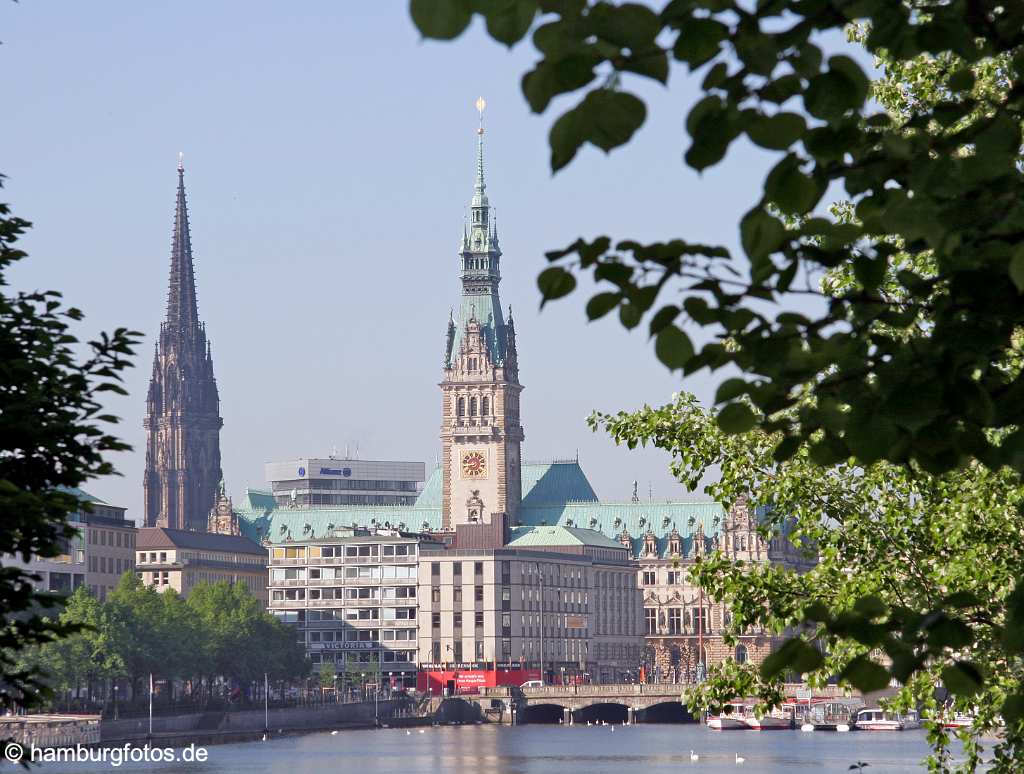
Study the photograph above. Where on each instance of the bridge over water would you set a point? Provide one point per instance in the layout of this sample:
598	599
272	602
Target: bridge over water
631	702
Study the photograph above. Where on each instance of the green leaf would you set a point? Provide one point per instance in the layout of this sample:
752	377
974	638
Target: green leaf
871	606
796	655
440	19
616	115
604	118
565	74
663	317
555	282
736	418
731	389
842	88
761	234
509	20
1013	709
963	678
630	315
790	189
776	132
865	675
601	304
1017	269
699	40
673	347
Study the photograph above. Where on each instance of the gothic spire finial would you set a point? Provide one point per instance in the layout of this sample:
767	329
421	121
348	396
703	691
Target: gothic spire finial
181	162
182	308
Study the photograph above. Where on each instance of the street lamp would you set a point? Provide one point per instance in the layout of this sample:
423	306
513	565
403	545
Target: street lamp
115	702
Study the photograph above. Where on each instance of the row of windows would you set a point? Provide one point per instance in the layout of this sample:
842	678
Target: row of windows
371	572
485	402
111	537
478	568
677	620
454	651
363	635
337	552
386	657
346	499
306	484
109	564
344	592
672	577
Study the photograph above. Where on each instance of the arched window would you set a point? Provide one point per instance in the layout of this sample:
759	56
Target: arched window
741	654
461	407
485	407
472	407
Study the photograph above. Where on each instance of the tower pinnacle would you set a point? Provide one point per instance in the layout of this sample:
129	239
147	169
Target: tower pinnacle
182	308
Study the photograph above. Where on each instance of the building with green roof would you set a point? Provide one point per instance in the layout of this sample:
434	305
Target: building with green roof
541	506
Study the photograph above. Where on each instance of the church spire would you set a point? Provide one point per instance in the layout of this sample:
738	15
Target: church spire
183	406
182	308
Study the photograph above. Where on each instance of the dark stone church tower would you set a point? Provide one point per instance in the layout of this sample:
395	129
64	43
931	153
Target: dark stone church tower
183	408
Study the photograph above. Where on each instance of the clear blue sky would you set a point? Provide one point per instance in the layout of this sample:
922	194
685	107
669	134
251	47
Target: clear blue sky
330	156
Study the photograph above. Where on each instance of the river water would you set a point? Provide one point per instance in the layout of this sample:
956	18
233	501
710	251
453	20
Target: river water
542	749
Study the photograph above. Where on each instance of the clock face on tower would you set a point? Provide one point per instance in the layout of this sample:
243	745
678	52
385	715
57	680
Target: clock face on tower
474	465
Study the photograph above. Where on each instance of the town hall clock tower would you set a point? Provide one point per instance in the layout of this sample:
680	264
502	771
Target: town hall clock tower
481	434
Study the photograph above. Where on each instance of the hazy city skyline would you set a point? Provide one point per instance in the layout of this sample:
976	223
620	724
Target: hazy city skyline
327	190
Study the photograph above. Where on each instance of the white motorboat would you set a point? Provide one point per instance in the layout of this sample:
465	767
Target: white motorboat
876	719
776	720
734	721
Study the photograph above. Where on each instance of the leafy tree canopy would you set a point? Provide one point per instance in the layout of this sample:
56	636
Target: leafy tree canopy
910	358
52	440
914	580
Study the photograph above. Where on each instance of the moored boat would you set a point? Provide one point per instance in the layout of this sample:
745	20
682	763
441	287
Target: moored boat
773	721
733	721
959	720
876	719
725	723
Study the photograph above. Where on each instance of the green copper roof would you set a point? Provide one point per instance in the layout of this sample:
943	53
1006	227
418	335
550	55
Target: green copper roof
486	309
257	500
544	483
555	483
430	497
558	500
304	523
529	537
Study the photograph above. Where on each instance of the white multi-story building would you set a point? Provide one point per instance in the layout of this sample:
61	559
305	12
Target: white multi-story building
333	482
352	598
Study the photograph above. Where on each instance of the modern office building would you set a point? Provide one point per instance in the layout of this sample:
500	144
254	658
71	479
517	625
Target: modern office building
109	546
333	482
351	595
557	603
180	559
103	549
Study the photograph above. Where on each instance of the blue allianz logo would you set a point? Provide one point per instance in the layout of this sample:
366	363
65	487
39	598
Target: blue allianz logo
302	472
336	472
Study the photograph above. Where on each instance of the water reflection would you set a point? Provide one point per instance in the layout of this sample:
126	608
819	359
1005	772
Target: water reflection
650	749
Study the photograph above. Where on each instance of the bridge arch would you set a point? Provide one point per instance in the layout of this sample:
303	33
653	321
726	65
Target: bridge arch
602	711
542	713
665	712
